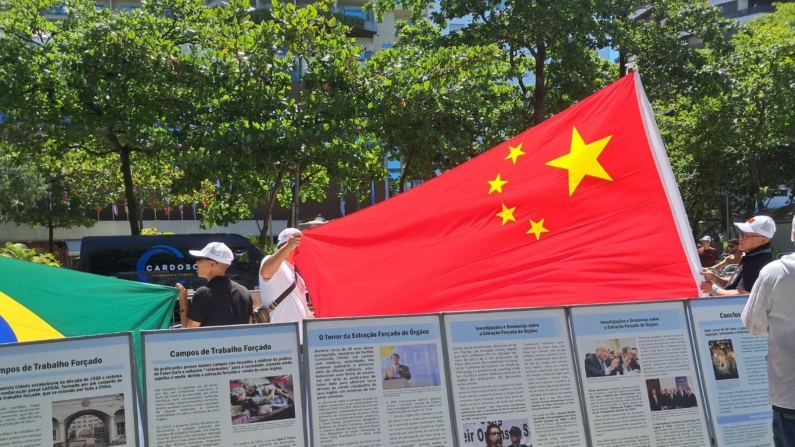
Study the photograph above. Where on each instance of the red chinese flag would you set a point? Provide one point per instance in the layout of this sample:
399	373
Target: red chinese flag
581	209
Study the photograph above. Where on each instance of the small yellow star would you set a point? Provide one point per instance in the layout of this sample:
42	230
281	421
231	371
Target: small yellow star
582	160
515	153
537	228
506	214
496	184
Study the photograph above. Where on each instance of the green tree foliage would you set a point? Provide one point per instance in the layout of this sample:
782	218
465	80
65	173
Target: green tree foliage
550	46
113	85
286	105
673	43
23	253
738	143
434	107
20	185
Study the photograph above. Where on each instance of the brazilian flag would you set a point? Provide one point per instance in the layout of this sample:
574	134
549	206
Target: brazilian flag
39	302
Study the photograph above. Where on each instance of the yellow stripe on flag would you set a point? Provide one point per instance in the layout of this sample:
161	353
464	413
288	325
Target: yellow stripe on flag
26	325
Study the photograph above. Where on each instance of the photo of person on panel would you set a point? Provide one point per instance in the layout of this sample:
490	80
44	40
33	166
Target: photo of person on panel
615	357
410	366
497	433
724	365
671	393
261	399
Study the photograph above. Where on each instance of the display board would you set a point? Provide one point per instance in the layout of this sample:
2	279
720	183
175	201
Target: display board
734	373
377	382
69	391
235	386
512	373
638	372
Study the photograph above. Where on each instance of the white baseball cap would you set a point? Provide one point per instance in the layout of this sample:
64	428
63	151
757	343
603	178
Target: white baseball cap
284	236
217	251
762	225
706	238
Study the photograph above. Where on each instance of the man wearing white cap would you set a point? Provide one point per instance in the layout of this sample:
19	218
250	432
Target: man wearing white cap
222	301
771	311
282	289
755	242
708	255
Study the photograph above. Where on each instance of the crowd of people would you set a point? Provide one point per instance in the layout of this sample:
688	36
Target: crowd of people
770	310
672	399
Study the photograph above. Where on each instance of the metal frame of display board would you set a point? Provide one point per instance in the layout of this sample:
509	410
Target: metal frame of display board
688	326
133	367
569	334
442	336
697	352
221	328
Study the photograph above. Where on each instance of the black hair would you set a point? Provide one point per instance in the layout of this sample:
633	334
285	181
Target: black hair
488	430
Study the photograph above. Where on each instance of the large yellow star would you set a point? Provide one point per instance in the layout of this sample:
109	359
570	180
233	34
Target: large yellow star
537	228
496	184
582	160
506	214
515	153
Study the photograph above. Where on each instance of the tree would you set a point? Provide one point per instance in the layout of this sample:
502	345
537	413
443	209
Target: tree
746	130
19	184
435	107
110	84
547	44
286	106
673	43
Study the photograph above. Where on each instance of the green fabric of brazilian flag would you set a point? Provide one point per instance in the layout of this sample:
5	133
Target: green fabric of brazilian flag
40	302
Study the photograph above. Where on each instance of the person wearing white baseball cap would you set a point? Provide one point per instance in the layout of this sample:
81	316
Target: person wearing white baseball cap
708	255
221	302
282	289
770	311
755	237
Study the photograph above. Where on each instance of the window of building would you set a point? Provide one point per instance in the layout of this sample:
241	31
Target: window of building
120	430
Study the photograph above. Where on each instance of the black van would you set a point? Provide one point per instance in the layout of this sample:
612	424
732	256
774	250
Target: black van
164	259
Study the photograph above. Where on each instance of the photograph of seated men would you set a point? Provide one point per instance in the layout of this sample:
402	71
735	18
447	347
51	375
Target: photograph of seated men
262	399
617	357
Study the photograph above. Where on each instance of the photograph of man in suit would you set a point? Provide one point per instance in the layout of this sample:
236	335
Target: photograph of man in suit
681	398
396	370
655	401
597	364
668	399
628	364
690	399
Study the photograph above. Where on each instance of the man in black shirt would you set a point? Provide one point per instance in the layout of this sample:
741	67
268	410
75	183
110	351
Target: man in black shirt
221	302
755	242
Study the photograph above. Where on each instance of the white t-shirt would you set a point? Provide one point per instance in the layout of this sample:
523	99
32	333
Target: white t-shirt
771	311
293	307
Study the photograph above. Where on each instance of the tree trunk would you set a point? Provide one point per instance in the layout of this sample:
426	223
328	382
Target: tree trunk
540	91
277	185
129	192
622	64
51	232
404	175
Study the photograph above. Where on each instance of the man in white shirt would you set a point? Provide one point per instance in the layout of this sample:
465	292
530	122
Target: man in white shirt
771	311
277	275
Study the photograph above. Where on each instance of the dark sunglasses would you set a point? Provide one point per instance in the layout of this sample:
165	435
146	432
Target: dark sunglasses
204	259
